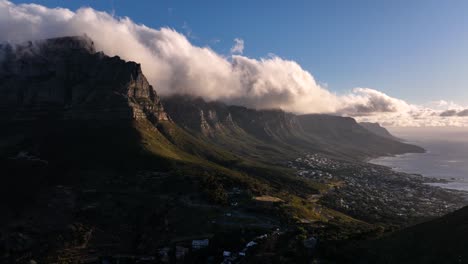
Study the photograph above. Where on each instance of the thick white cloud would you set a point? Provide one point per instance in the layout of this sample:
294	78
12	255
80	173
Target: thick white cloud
419	116
173	65
365	101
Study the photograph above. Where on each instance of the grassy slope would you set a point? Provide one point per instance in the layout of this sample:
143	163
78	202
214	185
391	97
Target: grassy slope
201	152
108	157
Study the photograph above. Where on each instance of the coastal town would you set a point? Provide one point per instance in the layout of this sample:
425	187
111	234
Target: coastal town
377	193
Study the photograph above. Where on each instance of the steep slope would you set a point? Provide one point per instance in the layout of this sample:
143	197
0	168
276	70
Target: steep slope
442	240
378	130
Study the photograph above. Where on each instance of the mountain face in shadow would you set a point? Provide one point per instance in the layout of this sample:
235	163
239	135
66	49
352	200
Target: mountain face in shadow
66	103
441	240
65	79
66	109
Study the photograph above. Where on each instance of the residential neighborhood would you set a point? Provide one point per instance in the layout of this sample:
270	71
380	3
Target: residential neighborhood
376	192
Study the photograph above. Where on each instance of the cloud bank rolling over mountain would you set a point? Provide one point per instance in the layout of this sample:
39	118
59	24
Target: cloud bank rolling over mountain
174	65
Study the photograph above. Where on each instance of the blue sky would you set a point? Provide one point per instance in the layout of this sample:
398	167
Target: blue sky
413	50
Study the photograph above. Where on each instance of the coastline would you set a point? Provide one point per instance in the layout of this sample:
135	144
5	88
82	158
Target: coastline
376	193
450	183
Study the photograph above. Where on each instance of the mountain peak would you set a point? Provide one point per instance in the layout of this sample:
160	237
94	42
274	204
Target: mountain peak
83	43
66	78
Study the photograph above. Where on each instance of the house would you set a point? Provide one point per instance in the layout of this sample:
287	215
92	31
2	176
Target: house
200	243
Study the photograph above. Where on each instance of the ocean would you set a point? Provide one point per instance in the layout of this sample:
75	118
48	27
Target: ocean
446	156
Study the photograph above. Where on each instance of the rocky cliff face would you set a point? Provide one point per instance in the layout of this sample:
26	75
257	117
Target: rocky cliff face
378	130
210	118
341	136
64	78
207	118
345	135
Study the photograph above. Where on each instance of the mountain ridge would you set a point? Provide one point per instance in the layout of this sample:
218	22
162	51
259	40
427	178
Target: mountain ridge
377	129
74	63
339	136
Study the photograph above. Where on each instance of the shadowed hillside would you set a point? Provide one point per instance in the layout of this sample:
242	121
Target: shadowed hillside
442	240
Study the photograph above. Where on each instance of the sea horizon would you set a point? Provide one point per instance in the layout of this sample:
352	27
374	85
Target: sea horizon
445	157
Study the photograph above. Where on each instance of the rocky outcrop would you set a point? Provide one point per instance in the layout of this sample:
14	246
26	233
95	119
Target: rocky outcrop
65	78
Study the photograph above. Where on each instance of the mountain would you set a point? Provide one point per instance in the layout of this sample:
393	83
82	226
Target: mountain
344	136
378	130
265	135
94	163
230	126
73	82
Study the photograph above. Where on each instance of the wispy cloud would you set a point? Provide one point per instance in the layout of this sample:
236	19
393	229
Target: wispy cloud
215	41
188	31
238	46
